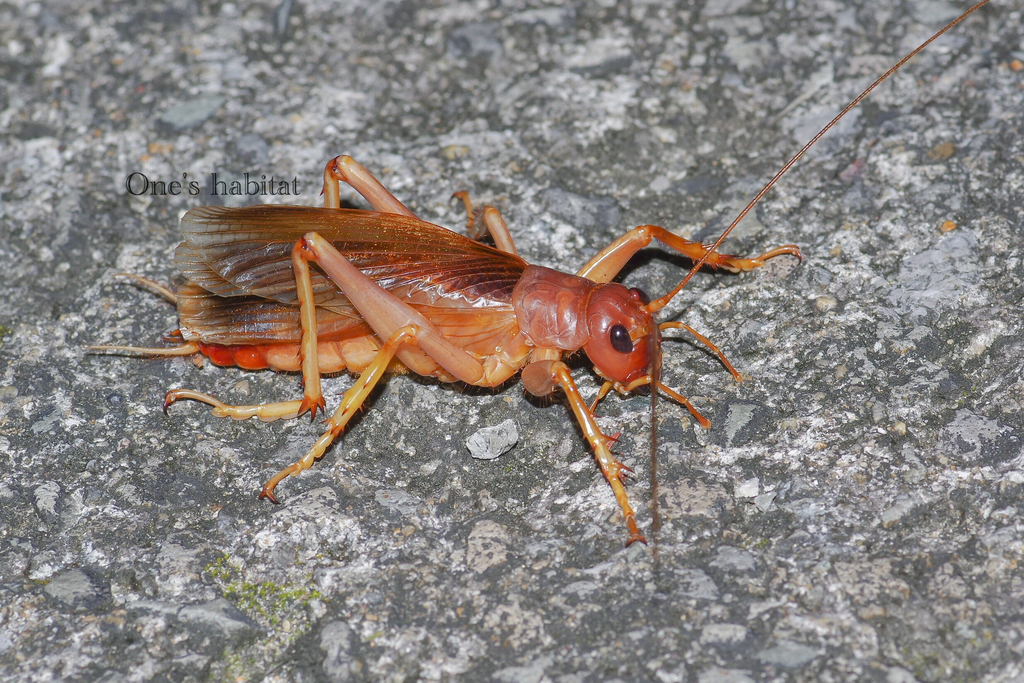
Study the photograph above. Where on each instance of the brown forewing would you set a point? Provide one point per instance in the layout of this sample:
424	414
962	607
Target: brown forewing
239	252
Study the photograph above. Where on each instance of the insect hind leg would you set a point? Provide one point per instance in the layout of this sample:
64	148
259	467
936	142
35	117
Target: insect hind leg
189	349
312	398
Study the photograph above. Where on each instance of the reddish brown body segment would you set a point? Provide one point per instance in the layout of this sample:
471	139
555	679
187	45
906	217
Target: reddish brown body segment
552	307
245	356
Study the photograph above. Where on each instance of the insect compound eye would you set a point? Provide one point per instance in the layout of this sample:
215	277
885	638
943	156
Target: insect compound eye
620	339
640	295
613	314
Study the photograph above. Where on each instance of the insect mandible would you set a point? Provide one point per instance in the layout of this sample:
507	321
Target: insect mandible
392	292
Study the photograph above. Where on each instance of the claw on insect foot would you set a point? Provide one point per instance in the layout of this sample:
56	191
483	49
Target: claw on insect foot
634	532
790	249
169	398
633	538
621	471
312	405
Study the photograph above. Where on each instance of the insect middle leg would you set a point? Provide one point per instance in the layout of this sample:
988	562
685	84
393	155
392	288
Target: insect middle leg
491	220
610	260
346	169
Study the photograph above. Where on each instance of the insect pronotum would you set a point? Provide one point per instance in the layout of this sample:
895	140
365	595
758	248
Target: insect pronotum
393	292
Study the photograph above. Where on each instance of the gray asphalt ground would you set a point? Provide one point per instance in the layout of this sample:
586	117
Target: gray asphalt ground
853	514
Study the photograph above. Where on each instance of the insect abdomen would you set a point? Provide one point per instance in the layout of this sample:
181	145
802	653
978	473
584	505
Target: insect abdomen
335	356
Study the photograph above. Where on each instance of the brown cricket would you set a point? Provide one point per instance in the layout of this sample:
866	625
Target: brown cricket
393	293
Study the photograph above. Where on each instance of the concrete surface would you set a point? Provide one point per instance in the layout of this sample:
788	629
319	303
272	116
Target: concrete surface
854	513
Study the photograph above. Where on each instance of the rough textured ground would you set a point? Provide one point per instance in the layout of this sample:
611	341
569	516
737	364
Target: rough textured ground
855	512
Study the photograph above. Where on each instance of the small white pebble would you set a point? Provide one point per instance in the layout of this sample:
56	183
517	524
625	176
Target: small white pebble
825	303
749	489
490	442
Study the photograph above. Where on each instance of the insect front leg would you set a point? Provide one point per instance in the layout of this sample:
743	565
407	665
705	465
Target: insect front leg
542	377
706	342
674	395
610	260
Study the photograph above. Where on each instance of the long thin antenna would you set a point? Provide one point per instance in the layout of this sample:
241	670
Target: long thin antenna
803	150
655	375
